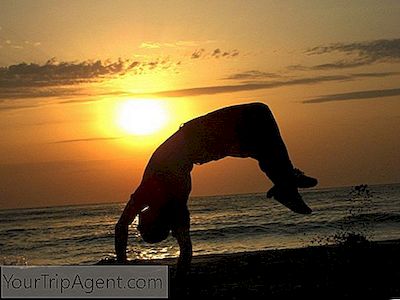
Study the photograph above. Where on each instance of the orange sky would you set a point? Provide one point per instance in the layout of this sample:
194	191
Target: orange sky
329	71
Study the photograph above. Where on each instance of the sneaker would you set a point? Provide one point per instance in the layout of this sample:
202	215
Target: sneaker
303	181
290	198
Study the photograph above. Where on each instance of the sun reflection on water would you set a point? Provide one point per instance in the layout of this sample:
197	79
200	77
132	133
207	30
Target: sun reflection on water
155	252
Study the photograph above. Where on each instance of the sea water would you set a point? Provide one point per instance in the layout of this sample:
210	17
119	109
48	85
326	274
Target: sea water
219	224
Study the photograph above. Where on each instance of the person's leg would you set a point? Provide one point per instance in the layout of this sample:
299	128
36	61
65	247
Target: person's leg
181	231
274	161
271	151
182	236
180	188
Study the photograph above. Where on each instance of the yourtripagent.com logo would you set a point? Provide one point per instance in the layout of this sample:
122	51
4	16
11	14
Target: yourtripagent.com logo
84	281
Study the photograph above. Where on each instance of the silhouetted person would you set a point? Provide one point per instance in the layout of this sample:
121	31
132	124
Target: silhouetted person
247	130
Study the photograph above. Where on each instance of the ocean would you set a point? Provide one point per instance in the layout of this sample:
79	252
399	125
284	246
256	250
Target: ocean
84	234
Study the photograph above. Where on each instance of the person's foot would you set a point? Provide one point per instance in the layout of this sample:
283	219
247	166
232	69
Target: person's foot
290	198
304	181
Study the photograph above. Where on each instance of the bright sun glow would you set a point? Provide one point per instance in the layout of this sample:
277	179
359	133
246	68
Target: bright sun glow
141	117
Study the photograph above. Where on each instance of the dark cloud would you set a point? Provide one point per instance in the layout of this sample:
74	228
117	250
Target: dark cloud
59	73
60	79
252	75
9	105
211	90
197	54
297	68
216	53
89	100
63	79
356	54
16	107
342	64
96	139
35	92
375	74
233	53
53	73
374	50
359	95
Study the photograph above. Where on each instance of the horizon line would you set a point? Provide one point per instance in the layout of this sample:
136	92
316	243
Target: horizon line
194	196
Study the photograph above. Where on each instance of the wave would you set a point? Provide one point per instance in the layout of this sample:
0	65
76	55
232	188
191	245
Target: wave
59	213
373	218
250	230
52	243
296	227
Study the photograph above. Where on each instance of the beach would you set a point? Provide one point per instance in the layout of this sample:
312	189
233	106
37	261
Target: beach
243	245
358	271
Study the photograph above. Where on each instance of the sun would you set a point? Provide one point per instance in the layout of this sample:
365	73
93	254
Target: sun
141	117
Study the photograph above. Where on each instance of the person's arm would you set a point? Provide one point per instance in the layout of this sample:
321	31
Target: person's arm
132	208
121	241
185	251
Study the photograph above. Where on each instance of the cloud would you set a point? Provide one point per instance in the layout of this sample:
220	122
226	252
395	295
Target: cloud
16	107
69	94
374	50
176	44
197	54
59	79
341	64
89	100
96	139
216	53
219	89
59	73
359	95
68	79
356	54
252	75
11	93
375	74
54	73
150	45
19	44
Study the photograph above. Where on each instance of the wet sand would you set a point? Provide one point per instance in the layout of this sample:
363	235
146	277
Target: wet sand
364	271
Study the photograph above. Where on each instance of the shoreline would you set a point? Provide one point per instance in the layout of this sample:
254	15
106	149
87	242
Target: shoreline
368	270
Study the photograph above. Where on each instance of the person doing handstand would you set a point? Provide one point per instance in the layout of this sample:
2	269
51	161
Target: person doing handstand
247	130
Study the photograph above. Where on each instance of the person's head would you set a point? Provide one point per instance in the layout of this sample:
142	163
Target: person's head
154	220
154	226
